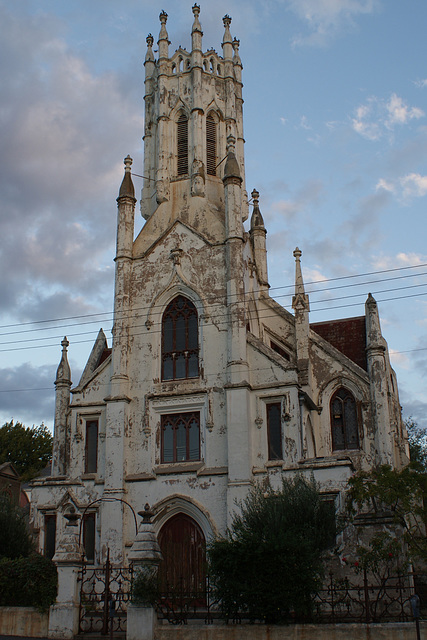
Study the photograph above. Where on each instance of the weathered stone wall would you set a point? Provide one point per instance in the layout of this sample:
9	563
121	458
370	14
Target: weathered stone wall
389	631
23	621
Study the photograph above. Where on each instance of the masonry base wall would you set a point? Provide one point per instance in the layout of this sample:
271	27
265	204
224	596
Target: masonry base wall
386	631
23	621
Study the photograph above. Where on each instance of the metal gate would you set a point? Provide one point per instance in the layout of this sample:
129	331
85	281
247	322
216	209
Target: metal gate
104	595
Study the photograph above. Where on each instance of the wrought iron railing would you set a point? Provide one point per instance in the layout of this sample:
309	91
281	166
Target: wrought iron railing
104	595
339	601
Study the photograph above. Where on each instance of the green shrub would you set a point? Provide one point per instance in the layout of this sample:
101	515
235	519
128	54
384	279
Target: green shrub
270	564
145	586
28	582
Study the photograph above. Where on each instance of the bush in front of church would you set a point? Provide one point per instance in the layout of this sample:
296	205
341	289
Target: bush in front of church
270	564
27	579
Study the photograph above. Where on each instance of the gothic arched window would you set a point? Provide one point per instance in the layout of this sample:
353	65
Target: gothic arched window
180	340
182	144
210	145
344	422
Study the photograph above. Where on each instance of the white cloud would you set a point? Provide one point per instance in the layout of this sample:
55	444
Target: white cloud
326	18
401	259
400	113
377	117
421	84
406	188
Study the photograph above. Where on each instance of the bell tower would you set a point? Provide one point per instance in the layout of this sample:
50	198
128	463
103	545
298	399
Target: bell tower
193	103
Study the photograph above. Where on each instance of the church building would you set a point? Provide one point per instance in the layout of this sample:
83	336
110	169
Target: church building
209	384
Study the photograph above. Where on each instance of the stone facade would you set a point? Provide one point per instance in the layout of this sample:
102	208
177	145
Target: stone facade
210	384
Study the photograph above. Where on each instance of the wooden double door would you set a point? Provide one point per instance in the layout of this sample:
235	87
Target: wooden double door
183	547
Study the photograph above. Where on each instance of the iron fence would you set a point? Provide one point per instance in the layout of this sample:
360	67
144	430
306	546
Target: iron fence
387	600
104	595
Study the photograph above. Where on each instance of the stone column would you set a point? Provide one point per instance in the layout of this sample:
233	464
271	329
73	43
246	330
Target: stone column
145	556
64	614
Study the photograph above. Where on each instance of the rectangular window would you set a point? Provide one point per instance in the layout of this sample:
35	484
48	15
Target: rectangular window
49	535
274	430
180	437
91	457
89	537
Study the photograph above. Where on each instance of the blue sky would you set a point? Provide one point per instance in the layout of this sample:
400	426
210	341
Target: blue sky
336	142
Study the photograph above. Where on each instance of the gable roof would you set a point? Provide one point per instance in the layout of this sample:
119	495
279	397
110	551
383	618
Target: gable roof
347	335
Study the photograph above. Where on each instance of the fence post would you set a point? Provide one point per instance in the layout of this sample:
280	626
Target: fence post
145	555
64	614
367	604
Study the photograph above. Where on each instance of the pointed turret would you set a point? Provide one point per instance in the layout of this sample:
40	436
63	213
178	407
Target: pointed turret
227	42
125	213
301	306
257	235
163	40
196	31
62	402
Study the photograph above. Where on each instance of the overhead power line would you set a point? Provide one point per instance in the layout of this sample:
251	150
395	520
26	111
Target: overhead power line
108	315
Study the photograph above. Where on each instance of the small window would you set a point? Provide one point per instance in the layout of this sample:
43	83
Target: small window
49	535
210	145
180	340
344	423
279	350
274	431
180	437
89	537
182	151
91	457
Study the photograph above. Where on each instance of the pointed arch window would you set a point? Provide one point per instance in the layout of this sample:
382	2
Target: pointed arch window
180	340
210	145
344	421
182	140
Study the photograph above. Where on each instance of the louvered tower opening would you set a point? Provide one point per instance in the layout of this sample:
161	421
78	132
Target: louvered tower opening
210	146
182	150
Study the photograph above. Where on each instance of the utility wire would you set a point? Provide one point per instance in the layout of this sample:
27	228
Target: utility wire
109	313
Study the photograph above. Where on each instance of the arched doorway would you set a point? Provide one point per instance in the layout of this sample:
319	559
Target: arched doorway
183	547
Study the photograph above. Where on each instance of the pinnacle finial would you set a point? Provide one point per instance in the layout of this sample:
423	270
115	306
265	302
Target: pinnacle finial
196	30
128	163
65	344
257	221
226	21
236	56
231	142
149	40
300	301
127	189
163	40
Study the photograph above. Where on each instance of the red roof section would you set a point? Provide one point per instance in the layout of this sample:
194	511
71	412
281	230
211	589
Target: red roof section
347	335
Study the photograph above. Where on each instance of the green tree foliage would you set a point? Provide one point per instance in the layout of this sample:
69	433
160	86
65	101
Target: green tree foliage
28	448
270	562
15	540
397	495
417	438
